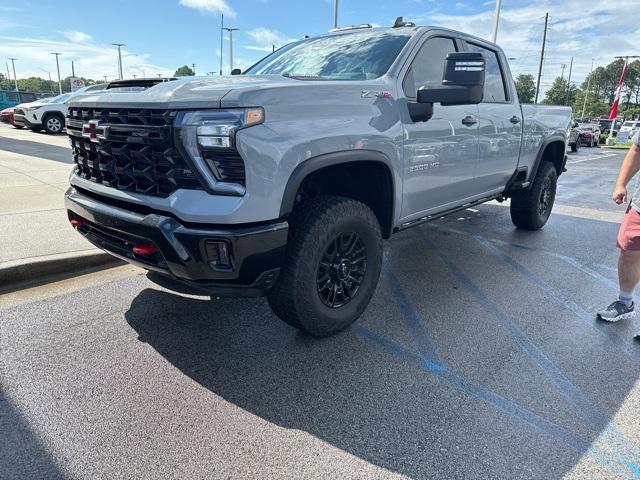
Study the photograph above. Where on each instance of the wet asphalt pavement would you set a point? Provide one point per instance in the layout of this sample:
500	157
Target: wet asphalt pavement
479	357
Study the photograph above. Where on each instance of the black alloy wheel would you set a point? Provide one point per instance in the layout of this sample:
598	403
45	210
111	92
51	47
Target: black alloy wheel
341	270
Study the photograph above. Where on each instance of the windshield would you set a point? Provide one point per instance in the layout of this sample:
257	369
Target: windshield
630	124
59	98
351	56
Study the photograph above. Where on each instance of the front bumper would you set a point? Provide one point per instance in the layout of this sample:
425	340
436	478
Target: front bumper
256	252
23	120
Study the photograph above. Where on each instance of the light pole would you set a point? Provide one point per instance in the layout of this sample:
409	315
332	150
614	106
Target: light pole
221	39
57	54
15	79
586	93
231	30
496	20
120	74
335	13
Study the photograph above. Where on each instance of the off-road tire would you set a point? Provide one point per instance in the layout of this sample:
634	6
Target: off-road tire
530	209
53	124
313	227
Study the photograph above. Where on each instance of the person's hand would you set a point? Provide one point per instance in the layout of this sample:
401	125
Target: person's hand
619	194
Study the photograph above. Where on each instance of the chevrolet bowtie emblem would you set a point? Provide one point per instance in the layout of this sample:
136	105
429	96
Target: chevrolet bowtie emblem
94	131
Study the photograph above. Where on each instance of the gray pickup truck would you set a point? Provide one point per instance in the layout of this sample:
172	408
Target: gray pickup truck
284	180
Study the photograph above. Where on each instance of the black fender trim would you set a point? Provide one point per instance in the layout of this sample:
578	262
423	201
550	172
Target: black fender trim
536	165
314	164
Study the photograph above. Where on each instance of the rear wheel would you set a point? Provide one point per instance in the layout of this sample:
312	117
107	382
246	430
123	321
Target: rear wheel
53	124
530	209
334	258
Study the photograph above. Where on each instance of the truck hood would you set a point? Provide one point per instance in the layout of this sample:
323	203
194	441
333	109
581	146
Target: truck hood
202	92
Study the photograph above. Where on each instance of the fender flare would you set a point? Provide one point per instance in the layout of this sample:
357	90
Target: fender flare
313	164
536	164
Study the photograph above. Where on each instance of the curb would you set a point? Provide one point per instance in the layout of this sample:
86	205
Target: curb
18	274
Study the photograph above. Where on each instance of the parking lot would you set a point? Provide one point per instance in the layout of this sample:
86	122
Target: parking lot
479	357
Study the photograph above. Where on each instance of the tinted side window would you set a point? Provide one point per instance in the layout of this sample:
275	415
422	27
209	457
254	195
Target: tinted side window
428	65
494	90
28	97
13	97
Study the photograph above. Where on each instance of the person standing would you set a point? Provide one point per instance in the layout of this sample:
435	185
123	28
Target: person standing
628	240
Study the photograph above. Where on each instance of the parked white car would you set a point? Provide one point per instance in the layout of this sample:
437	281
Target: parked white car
49	114
631	127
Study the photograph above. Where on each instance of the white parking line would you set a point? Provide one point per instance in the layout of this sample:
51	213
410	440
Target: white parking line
593	157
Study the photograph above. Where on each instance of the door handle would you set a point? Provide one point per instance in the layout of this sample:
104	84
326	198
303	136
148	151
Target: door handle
515	120
469	120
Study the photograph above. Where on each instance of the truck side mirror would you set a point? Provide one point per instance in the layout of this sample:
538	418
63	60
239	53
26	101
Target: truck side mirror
236	71
462	81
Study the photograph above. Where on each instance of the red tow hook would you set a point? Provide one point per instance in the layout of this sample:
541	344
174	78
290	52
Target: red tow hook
142	249
76	222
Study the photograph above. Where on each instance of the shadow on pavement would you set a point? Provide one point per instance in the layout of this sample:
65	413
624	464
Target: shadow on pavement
466	364
37	149
22	454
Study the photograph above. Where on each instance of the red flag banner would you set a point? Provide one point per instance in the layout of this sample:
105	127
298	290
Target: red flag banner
614	108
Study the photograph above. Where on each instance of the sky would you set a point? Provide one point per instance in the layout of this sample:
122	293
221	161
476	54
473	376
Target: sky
161	35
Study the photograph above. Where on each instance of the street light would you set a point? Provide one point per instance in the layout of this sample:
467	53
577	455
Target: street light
58	67
496	20
231	30
120	74
335	13
15	79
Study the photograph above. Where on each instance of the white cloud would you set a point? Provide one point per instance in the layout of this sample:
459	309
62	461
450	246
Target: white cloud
210	6
92	60
265	38
77	37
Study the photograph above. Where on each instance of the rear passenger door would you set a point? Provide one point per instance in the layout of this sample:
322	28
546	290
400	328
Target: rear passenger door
439	155
500	125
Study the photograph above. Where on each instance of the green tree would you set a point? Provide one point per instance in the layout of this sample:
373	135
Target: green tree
557	94
184	71
526	88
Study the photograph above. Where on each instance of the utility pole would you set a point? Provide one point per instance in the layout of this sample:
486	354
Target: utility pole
8	75
273	48
57	54
221	39
231	30
563	66
569	82
496	20
586	93
120	73
335	13
15	79
73	70
544	41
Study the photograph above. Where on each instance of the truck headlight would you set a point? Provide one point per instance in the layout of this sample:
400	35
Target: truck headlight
204	131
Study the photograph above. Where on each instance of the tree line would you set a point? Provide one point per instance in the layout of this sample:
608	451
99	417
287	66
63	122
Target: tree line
598	87
40	85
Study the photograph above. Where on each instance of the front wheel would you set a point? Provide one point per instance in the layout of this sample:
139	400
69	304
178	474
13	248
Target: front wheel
332	266
530	209
53	124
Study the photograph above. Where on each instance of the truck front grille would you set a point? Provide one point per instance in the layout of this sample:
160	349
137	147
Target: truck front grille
131	150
